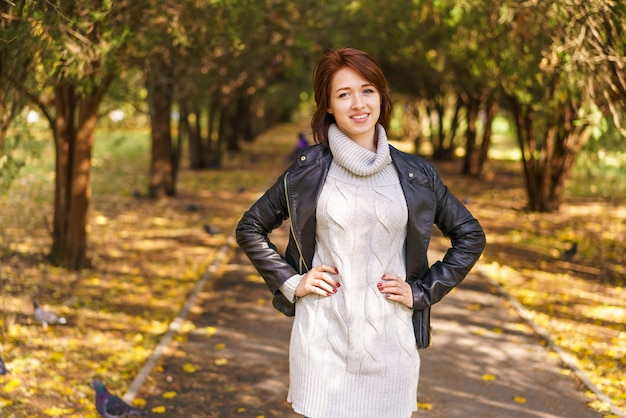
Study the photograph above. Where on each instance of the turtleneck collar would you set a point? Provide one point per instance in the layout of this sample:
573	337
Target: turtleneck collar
356	159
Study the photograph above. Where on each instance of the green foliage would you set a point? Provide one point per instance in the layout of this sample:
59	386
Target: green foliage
120	163
80	43
22	146
9	165
599	174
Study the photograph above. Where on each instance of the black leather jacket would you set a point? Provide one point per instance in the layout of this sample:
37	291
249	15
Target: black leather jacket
294	196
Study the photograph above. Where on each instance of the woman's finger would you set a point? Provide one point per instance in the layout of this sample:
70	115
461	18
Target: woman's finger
318	281
396	289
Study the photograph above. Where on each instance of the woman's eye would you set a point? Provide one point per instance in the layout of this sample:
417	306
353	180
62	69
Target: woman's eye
369	91
343	95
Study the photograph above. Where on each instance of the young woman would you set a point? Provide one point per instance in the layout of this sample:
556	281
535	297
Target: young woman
355	272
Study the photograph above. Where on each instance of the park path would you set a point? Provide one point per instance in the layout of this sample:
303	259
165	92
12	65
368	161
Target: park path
233	362
485	361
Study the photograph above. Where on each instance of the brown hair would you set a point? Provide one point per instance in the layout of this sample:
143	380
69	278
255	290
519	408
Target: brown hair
331	62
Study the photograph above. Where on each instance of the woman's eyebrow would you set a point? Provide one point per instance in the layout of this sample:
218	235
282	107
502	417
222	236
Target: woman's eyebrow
349	88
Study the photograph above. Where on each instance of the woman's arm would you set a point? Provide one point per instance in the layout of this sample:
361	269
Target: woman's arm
467	240
252	234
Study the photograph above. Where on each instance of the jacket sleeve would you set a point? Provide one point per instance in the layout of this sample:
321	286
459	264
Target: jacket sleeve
252	234
467	241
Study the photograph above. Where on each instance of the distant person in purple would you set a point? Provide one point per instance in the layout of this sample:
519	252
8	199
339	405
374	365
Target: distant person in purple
300	145
302	142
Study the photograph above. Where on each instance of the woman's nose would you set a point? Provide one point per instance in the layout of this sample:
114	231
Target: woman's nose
357	101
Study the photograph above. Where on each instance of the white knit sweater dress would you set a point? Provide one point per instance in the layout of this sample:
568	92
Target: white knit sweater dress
353	354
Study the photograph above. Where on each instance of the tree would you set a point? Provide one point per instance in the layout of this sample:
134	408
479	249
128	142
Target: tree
208	58
80	45
595	44
472	52
164	156
547	85
160	56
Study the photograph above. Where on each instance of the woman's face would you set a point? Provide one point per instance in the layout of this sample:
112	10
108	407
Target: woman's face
355	104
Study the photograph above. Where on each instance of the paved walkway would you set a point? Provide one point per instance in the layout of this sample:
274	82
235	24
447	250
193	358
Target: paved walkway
485	362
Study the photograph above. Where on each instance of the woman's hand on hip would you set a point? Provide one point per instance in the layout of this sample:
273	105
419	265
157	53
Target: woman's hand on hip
318	281
396	289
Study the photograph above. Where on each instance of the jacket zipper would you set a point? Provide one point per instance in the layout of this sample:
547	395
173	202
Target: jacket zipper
301	262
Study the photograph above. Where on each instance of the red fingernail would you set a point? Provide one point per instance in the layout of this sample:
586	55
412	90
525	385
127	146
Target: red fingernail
327	294
338	284
334	290
336	271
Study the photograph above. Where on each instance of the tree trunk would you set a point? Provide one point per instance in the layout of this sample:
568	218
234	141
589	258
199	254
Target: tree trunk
160	96
490	114
476	152
194	139
74	133
222	132
472	157
212	113
237	120
548	165
443	148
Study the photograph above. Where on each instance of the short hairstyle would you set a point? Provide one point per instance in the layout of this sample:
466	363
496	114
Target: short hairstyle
331	62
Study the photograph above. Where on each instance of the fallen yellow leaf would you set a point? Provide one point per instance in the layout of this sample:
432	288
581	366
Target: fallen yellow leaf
519	399
210	331
159	410
169	395
488	377
189	368
187	327
5	402
221	361
241	410
424	406
54	411
10	387
140	402
219	346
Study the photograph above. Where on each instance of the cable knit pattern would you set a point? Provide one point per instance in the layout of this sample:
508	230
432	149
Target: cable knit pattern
353	353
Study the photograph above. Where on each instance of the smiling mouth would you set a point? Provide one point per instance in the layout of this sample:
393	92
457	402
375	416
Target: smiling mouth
359	117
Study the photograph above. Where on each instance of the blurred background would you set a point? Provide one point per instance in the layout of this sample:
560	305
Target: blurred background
102	101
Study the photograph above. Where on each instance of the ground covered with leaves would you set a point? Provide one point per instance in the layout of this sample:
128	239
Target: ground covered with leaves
147	255
576	297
